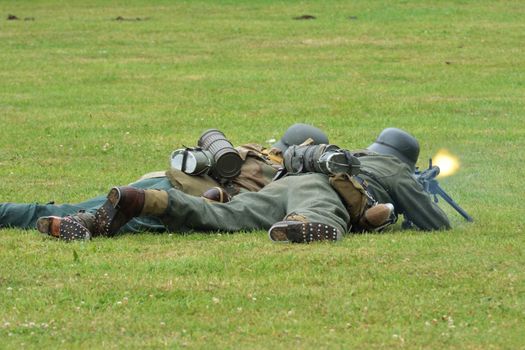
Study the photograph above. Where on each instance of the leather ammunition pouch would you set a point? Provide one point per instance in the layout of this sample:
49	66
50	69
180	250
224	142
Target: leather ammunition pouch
353	191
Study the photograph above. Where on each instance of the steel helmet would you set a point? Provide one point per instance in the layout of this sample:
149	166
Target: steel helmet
399	143
298	133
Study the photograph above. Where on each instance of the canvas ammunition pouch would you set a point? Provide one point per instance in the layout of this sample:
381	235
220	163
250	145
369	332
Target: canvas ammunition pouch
354	194
270	156
192	185
259	167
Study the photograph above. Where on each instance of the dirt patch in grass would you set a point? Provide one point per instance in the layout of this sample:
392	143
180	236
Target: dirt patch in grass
304	17
136	19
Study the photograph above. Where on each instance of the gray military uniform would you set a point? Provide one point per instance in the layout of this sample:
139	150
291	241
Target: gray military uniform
308	195
391	181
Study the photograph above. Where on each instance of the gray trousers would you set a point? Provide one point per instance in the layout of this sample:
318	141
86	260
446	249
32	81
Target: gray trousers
25	215
309	195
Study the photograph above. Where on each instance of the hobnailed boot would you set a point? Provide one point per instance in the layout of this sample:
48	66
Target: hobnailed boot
378	217
68	228
302	231
125	203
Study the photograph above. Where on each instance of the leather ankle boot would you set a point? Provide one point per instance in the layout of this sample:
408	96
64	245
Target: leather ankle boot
68	228
216	194
378	217
122	205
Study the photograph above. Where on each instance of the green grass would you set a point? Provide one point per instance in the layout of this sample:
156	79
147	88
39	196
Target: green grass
87	102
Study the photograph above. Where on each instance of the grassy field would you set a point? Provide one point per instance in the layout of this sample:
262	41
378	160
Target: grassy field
88	101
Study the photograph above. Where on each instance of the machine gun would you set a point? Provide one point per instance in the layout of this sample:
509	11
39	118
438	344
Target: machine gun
427	179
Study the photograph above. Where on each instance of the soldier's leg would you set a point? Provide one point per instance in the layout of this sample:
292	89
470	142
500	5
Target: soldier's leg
182	212
139	224
315	212
312	197
194	185
246	211
145	223
52	222
25	215
309	196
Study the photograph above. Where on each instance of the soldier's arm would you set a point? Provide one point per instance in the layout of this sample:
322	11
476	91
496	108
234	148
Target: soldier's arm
418	206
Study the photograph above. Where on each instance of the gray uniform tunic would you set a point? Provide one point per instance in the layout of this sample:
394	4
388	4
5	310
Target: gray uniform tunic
391	181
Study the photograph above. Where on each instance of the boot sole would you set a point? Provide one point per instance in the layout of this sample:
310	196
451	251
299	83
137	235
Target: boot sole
69	230
303	232
108	215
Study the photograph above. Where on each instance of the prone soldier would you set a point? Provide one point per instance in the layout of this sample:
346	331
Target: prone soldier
302	207
259	165
388	166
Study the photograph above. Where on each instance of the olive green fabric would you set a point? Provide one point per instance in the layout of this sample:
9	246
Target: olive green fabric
255	174
192	185
155	202
391	181
308	195
353	194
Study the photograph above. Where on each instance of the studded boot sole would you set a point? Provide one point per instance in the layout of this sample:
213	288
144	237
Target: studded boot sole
65	228
303	232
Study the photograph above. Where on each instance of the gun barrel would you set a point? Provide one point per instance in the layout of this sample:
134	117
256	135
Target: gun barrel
449	200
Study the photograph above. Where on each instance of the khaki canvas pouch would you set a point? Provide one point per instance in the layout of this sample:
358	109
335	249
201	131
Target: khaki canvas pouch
192	185
353	195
